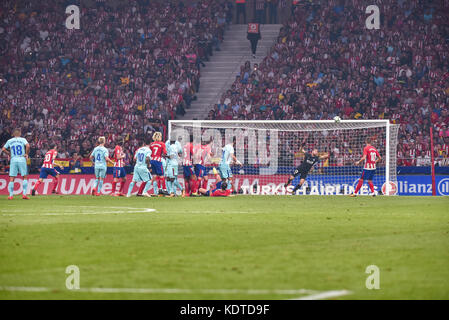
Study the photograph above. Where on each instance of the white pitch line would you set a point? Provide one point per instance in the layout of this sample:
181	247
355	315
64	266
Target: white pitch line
168	290
325	295
129	210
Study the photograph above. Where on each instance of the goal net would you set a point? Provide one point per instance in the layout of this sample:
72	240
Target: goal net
269	152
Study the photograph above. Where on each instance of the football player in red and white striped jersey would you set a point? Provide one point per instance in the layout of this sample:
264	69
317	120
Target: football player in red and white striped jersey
118	172
371	156
48	169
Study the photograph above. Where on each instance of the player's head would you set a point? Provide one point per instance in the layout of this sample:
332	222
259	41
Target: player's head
157	136
17	132
101	140
314	152
368	141
54	146
224	185
206	142
147	141
120	141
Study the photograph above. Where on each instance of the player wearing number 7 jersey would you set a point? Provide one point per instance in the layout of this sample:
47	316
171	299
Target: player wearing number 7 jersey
371	157
19	149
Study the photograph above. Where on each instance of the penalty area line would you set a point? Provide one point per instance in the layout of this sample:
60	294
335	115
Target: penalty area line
311	294
122	210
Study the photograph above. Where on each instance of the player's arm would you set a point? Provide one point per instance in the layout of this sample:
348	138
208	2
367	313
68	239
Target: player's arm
361	159
236	161
27	150
6	151
109	159
379	158
324	156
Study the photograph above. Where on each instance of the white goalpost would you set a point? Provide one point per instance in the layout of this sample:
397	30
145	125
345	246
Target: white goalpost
271	150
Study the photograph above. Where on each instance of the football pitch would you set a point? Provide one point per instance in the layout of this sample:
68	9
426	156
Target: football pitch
245	247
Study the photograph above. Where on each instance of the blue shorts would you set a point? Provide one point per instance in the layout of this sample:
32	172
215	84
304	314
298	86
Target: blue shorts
200	170
367	174
225	171
188	171
16	167
156	168
210	192
172	171
45	172
100	172
118	172
141	174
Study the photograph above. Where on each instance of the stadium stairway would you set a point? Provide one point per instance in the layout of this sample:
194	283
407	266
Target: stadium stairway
224	65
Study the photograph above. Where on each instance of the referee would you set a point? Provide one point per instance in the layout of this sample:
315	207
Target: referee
303	169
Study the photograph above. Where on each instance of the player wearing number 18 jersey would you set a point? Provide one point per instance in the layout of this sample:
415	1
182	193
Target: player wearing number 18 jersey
371	156
18	151
48	169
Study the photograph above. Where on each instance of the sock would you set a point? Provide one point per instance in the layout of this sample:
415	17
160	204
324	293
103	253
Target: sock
122	186
296	188
164	186
38	183
95	184
56	184
142	186
100	185
11	188
130	188
25	187
147	187
176	184
170	187
371	186
187	186
194	186
359	185
155	188
114	186
204	184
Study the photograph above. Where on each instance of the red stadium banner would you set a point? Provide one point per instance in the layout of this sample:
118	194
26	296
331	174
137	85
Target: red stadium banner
81	184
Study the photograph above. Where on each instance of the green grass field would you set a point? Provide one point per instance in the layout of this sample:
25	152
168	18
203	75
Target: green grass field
245	247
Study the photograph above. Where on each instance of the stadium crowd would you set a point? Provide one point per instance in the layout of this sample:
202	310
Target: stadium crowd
326	63
125	72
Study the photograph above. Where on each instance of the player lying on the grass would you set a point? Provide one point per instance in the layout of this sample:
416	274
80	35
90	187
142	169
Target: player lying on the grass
371	157
220	189
141	173
174	151
48	169
224	167
118	172
100	156
19	148
310	159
